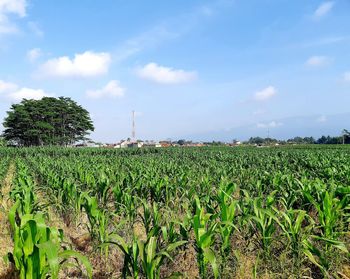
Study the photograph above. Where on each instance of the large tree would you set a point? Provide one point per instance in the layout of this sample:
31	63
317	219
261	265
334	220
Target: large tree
49	121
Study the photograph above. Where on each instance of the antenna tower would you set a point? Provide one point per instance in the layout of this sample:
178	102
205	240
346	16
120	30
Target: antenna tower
133	127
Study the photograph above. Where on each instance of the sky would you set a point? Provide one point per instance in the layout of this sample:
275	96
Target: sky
194	69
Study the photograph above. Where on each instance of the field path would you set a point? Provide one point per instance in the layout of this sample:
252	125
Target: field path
6	244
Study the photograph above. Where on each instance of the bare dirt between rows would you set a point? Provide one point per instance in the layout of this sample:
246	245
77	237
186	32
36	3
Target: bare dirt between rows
6	244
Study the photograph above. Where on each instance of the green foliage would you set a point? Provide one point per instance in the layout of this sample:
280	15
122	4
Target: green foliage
152	256
99	219
263	222
204	228
37	251
48	121
144	256
227	207
285	209
3	142
330	213
37	248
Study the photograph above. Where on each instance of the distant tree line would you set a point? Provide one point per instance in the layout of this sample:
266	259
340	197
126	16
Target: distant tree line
345	138
49	121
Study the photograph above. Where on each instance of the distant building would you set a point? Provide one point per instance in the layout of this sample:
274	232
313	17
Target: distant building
165	143
151	143
122	144
129	144
137	144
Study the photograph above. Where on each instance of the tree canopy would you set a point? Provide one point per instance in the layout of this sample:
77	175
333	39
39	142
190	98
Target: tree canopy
49	121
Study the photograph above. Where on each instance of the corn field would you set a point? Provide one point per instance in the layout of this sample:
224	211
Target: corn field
211	212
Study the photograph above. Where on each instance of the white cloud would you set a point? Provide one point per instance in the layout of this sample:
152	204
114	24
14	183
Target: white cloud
34	54
8	7
272	124
7	86
112	89
317	61
13	92
13	6
322	119
346	76
28	93
323	9
87	64
165	75
265	94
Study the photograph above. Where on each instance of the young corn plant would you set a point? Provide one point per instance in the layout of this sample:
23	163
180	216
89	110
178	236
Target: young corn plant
102	189
331	217
131	267
330	213
118	192
170	233
150	219
66	198
185	226
320	257
263	223
159	192
144	257
152	255
129	204
70	200
291	222
227	210
99	219
24	192
204	226
37	249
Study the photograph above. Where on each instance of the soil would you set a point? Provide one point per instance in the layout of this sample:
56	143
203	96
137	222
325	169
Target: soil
6	244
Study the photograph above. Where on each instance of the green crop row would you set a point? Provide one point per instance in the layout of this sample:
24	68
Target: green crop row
38	251
286	209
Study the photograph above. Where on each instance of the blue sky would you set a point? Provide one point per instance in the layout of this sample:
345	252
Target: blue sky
195	69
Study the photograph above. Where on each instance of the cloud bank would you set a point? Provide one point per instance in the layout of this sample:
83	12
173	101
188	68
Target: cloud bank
87	64
15	93
265	94
323	9
165	75
317	61
7	8
272	124
111	89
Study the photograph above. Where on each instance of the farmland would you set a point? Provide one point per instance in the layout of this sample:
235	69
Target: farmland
219	212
